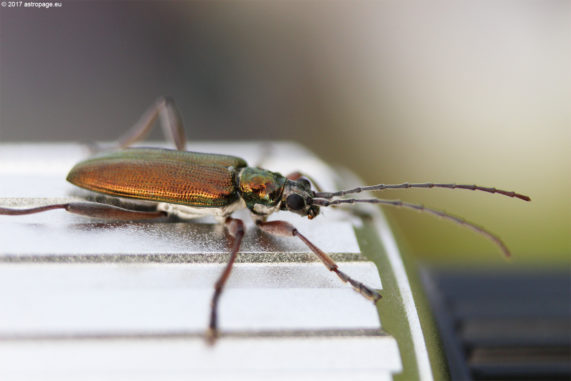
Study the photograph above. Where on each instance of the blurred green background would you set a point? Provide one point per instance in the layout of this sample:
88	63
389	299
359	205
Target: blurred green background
465	92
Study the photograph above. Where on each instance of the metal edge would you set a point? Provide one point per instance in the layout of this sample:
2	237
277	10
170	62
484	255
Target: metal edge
417	336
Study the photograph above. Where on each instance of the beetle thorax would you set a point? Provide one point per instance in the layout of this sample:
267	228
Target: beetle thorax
261	190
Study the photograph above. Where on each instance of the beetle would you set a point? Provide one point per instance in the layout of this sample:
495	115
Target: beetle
193	184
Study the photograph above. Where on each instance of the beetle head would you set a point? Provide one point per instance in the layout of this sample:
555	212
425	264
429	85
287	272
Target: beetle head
298	198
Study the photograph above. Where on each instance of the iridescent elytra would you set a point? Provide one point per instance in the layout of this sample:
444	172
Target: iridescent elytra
189	178
193	184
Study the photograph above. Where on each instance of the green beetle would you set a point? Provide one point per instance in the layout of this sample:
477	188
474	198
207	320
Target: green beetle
193	184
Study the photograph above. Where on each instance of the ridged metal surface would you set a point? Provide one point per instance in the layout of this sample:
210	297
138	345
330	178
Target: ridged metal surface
130	300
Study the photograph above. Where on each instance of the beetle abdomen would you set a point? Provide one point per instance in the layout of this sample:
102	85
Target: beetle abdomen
189	178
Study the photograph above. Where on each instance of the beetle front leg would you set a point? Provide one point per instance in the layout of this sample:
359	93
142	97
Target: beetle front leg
90	210
170	121
282	228
235	228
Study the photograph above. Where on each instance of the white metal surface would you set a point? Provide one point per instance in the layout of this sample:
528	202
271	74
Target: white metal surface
230	359
65	315
125	299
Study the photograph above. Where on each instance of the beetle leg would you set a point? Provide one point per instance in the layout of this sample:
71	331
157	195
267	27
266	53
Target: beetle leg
282	228
90	210
297	175
170	121
235	228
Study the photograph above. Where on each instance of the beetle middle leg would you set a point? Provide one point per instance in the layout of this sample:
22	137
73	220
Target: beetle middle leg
282	228
165	110
235	228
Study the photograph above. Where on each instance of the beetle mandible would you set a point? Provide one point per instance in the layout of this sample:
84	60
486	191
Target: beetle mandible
192	184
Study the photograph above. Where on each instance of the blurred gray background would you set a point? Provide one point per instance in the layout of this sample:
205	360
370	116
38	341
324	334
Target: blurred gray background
467	92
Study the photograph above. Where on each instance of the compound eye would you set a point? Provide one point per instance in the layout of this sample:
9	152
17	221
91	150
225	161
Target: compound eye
305	182
295	202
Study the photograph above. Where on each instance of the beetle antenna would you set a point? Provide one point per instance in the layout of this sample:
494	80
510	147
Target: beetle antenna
380	187
421	208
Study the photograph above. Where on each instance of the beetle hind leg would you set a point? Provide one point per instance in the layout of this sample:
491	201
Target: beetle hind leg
89	209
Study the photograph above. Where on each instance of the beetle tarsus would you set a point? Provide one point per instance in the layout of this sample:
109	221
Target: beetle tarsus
362	289
211	336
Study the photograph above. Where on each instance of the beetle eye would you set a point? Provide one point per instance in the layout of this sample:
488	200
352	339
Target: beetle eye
305	182
295	202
